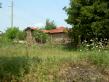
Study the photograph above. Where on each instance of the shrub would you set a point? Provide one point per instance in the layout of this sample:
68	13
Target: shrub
14	33
21	35
40	36
11	33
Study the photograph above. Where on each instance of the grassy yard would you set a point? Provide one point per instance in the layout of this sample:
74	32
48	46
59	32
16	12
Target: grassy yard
19	63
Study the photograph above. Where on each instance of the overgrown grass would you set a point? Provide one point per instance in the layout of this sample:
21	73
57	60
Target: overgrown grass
19	63
98	58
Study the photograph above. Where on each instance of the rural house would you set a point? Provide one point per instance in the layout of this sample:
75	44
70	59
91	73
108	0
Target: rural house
57	36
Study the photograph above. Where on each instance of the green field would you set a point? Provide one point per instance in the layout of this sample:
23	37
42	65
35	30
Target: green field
19	63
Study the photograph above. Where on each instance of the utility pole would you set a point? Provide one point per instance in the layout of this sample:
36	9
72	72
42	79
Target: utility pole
0	5
11	13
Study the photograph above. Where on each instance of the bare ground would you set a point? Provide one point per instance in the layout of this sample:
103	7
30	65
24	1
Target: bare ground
83	72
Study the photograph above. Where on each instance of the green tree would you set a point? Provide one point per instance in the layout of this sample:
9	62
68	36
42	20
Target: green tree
14	33
11	33
50	25
89	18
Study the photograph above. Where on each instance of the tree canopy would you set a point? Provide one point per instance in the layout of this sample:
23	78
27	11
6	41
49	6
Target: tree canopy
90	18
15	33
50	25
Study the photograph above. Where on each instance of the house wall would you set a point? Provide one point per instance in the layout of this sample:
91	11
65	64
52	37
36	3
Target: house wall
59	38
29	38
55	38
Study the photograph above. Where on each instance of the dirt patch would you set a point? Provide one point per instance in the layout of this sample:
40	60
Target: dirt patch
82	72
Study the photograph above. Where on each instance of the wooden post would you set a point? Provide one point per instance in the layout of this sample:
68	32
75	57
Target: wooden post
79	40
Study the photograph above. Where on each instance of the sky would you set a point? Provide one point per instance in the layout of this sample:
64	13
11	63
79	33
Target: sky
33	13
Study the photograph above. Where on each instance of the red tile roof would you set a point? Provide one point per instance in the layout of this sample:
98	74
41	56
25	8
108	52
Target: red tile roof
57	30
45	31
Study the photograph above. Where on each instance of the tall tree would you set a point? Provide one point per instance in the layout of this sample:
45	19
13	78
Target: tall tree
90	18
50	25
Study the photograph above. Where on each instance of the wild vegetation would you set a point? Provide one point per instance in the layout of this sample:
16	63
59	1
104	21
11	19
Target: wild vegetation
85	59
13	34
39	36
51	63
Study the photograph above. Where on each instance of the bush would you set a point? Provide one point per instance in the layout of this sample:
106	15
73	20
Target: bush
14	33
21	35
11	33
40	36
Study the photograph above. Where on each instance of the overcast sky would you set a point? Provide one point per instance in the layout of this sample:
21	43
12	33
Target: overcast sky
33	13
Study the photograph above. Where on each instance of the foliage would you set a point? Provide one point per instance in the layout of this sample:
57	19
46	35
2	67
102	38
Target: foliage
14	33
16	67
46	64
90	18
21	35
4	40
11	33
50	25
40	36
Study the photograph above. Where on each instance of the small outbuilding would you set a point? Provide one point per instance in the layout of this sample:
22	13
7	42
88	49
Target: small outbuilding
57	36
